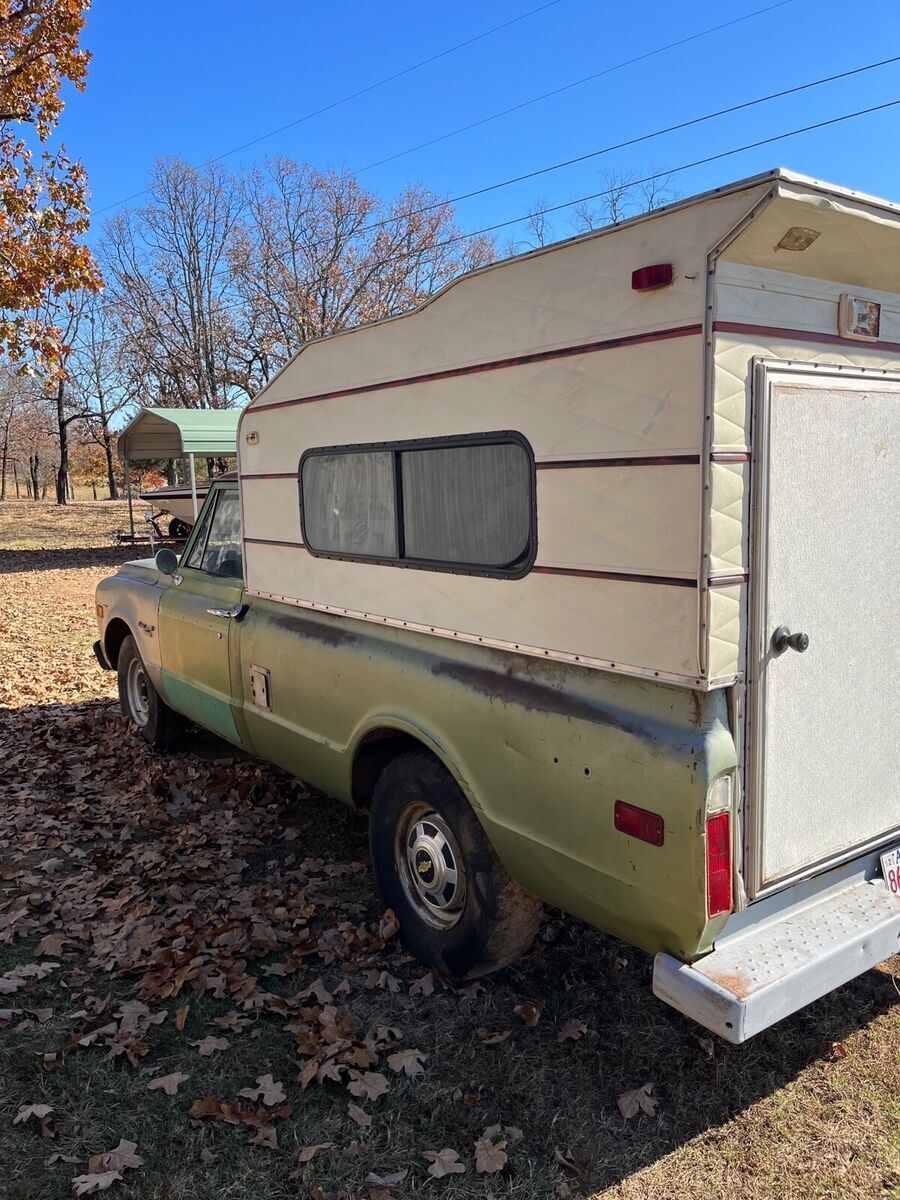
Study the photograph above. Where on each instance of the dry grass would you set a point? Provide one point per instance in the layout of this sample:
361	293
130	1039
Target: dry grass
786	1116
39	525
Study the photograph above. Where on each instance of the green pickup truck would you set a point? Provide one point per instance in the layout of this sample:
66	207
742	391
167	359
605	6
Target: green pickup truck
580	580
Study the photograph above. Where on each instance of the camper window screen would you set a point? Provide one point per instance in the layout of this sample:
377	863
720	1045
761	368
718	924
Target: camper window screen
349	505
465	503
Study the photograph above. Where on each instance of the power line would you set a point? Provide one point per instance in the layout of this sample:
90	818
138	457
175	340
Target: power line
639	139
362	92
698	162
657	175
566	87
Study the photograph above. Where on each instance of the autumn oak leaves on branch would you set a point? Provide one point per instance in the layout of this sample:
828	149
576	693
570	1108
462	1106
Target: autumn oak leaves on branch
43	201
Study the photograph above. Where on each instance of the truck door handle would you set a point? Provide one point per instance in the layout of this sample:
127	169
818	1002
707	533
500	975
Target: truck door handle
783	639
237	612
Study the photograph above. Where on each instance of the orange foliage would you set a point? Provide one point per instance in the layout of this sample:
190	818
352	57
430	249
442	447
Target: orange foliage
43	206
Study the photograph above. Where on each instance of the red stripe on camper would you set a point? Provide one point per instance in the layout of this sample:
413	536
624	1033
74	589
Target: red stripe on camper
637	460
497	364
274	542
802	335
621	576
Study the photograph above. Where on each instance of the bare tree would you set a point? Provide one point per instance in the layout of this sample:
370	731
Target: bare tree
103	387
318	253
624	194
170	284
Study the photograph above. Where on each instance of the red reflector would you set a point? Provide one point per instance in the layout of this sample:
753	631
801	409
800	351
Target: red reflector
645	279
718	864
639	823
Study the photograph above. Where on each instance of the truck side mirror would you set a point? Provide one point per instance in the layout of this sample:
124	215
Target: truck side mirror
166	561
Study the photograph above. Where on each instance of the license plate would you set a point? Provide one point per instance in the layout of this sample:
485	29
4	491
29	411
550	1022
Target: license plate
890	867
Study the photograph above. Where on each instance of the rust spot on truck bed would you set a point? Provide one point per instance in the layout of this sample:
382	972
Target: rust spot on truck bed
534	696
317	631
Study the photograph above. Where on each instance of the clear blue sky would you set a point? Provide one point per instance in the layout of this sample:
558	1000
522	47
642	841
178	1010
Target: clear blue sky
196	77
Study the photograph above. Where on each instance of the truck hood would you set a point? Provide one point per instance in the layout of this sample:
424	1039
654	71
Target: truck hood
144	569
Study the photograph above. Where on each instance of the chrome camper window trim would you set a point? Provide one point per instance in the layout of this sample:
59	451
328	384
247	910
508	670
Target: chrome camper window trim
514	570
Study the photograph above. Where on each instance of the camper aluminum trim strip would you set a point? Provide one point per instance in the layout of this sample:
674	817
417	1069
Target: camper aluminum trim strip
731	580
765	371
800	335
497	364
518	647
635	460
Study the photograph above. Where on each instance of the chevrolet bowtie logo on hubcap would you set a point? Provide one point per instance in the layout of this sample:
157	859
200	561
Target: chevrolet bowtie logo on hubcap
425	867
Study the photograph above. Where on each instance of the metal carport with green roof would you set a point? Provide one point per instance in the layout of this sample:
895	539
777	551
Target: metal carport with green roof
177	433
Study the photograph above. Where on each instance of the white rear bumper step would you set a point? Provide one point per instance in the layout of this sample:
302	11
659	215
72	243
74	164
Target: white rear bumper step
767	971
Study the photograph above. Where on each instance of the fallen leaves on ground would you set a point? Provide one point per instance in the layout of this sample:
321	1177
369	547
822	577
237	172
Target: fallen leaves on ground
121	1159
167	1083
571	1031
489	1156
267	1089
529	1013
28	1111
636	1101
409	1062
87	1185
443	1162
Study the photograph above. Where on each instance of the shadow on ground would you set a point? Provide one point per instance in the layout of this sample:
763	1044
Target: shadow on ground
68	558
561	1095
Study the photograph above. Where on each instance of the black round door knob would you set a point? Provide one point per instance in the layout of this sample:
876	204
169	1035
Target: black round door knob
783	639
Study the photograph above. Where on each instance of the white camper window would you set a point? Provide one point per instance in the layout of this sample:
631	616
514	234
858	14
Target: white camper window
349	505
454	504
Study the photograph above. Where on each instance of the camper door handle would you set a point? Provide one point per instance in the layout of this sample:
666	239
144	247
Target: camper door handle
783	639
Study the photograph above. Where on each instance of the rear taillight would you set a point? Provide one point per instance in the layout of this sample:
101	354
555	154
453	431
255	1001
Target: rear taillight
718	864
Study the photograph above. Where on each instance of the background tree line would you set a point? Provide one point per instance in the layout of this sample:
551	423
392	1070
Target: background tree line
215	282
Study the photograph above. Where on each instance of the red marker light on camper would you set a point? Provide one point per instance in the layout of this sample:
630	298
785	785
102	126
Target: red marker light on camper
639	823
648	279
718	864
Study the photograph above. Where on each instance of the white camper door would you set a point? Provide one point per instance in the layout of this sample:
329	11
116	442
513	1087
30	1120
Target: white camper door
824	757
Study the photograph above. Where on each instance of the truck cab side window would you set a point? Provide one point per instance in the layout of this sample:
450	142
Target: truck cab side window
195	558
222	552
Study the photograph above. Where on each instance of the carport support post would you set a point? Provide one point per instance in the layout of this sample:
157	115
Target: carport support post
193	486
128	490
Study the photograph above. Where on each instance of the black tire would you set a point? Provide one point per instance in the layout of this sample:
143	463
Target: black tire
159	725
179	528
489	920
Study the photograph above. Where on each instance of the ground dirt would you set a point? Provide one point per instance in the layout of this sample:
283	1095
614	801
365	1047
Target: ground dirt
151	903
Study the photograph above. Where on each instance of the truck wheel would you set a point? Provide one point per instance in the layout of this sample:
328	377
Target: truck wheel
141	703
459	910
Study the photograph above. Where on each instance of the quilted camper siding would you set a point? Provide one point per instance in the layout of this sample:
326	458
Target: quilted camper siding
762	306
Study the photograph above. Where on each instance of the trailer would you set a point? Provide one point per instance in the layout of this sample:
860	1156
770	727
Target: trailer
606	537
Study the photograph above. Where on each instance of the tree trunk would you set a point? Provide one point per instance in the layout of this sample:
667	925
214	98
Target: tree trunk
107	449
5	462
62	475
16	479
170	473
34	464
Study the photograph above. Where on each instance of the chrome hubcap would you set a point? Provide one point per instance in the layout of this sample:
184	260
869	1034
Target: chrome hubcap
136	688
430	866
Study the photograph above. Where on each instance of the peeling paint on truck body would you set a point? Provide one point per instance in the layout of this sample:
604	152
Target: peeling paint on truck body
542	750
